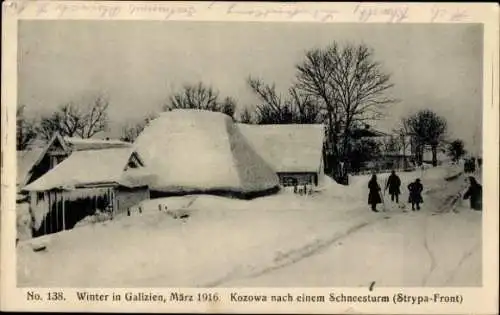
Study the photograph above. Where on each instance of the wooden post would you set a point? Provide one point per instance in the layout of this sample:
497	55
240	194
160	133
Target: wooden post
114	203
108	197
44	218
56	213
63	212
53	199
33	203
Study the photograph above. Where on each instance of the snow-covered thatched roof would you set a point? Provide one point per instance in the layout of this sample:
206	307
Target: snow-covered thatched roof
29	159
202	151
89	167
287	148
78	144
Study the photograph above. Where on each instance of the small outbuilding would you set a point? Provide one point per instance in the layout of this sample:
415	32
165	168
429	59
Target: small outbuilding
37	161
87	182
295	151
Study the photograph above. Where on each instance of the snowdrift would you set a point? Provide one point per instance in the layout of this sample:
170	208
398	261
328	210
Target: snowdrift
195	151
272	233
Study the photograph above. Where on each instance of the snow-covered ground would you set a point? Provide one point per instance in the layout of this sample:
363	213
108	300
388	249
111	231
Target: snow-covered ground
329	238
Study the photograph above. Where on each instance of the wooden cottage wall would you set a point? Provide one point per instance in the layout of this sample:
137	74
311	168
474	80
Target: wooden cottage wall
59	210
304	178
127	198
83	202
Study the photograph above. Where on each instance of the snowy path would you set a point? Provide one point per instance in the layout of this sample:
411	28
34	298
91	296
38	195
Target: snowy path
406	249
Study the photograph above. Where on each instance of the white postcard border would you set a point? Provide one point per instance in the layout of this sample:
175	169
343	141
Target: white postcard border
474	300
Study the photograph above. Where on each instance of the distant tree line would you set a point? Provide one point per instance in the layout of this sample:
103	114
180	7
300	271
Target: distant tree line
73	119
341	86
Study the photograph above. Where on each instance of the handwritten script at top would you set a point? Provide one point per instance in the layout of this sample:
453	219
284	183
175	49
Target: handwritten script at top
103	9
443	14
359	12
289	12
385	12
395	14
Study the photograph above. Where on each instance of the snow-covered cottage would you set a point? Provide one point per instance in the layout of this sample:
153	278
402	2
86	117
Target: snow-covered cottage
33	163
295	152
196	151
80	178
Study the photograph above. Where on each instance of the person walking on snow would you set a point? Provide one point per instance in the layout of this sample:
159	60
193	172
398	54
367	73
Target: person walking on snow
374	193
474	194
415	197
393	184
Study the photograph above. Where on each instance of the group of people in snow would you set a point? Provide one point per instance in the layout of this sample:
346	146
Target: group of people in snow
475	194
470	165
393	185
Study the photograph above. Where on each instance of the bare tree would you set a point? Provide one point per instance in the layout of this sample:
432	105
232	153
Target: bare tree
228	106
25	129
66	120
429	129
278	109
95	119
406	138
131	131
273	109
351	87
71	119
246	116
308	110
456	149
200	96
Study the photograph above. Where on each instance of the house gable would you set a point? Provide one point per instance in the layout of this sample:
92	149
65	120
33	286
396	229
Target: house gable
54	153
134	161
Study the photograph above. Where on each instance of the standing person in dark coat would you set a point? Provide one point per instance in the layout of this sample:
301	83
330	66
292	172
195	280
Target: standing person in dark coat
415	197
374	194
394	184
474	194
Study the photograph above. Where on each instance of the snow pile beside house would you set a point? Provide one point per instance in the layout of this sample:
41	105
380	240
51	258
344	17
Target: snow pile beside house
23	221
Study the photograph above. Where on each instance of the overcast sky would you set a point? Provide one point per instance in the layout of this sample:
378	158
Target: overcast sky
138	64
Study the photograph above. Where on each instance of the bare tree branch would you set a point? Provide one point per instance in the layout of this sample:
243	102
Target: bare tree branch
246	116
428	128
83	120
131	131
26	129
351	87
199	96
278	109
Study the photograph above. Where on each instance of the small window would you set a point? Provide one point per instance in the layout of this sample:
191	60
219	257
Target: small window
289	181
131	164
